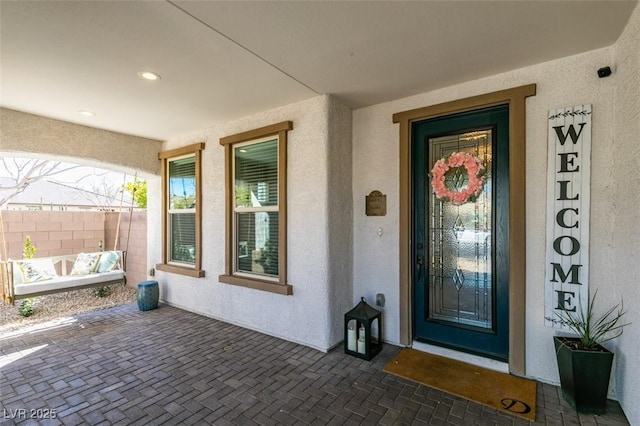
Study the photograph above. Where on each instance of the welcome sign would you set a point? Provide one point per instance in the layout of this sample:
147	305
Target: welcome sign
568	201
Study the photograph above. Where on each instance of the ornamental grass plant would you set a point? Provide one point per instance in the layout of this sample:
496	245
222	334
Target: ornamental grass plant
592	331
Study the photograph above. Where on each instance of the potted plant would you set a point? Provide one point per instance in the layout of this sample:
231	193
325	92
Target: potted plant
583	363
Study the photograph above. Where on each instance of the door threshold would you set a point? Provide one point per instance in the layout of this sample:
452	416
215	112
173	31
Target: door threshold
487	363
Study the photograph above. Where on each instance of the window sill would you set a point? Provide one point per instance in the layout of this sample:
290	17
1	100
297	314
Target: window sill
256	284
189	272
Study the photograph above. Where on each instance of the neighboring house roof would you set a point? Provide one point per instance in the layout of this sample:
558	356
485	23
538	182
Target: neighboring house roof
45	192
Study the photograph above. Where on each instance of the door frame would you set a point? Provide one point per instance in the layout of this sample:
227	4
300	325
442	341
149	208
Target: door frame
516	99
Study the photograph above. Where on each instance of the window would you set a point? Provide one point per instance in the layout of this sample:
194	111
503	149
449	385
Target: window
182	213
256	245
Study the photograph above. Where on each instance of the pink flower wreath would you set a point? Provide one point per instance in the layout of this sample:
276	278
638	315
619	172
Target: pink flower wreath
475	169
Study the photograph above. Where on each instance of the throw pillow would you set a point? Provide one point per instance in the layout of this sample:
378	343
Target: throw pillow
33	270
85	263
108	261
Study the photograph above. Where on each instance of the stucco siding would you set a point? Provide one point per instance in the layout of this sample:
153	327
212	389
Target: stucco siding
375	167
340	231
23	133
304	317
622	282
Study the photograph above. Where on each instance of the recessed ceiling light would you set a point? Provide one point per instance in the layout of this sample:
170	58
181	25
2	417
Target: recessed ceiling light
148	75
86	113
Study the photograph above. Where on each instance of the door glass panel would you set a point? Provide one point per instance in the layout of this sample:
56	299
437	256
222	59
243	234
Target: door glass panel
461	291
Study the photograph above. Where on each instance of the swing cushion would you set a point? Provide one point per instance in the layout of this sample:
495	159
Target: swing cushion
108	261
67	283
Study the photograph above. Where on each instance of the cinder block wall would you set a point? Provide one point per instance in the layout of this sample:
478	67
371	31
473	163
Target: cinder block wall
59	233
137	242
53	233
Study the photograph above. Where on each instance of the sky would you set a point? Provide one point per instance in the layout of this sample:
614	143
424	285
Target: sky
80	176
88	178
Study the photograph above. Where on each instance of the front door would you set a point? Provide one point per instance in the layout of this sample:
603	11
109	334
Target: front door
460	244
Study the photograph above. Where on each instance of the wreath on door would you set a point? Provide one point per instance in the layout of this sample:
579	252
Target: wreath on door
472	166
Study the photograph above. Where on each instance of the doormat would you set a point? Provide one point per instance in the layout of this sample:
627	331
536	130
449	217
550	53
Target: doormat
504	392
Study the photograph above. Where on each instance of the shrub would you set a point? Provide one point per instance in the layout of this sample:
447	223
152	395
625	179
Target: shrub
102	291
28	249
26	307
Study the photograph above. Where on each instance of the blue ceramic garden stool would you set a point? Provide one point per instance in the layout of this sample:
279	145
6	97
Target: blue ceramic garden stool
148	294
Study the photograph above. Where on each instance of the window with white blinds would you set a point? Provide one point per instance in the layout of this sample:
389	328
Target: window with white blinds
182	216
182	210
256	208
255	169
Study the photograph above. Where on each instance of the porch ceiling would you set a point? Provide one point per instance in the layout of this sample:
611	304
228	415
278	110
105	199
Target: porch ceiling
220	61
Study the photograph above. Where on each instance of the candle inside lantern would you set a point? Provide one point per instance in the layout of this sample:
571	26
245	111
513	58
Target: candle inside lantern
361	346
351	337
361	333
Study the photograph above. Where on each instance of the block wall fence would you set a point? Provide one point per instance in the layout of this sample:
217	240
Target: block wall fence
60	233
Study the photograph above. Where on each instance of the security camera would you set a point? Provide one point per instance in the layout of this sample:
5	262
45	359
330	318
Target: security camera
604	72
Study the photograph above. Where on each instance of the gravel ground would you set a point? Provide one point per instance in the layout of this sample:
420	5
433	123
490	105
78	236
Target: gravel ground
61	305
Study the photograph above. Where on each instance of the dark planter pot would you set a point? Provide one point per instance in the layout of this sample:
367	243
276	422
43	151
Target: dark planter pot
584	375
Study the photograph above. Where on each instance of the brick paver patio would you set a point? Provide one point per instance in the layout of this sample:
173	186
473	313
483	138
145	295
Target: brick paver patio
167	366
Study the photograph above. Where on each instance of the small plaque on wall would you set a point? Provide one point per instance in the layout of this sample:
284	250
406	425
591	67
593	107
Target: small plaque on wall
376	204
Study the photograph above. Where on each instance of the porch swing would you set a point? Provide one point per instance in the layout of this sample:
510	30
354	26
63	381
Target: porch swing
21	279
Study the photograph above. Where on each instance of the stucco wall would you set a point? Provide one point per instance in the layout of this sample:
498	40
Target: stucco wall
566	82
27	133
623	281
340	212
321	130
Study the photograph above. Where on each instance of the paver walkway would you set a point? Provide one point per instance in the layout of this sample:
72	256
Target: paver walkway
167	366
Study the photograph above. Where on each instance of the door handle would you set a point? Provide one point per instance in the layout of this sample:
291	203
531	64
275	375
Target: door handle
420	262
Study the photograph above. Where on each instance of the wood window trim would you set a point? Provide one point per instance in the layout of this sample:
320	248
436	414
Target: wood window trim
197	271
516	99
280	286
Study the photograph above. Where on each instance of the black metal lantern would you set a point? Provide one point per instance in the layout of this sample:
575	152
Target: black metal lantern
358	325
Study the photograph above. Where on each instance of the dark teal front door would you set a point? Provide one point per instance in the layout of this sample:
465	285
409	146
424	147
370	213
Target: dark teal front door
460	252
